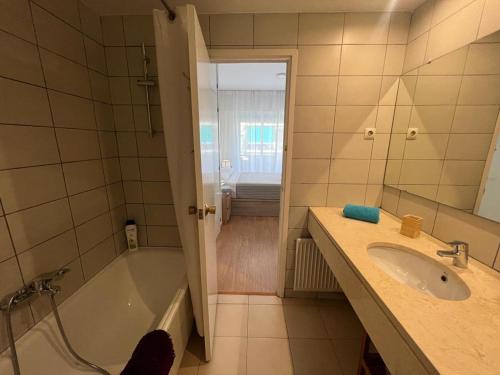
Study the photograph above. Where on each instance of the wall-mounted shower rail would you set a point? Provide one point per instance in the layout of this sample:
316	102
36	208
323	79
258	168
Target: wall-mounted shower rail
146	82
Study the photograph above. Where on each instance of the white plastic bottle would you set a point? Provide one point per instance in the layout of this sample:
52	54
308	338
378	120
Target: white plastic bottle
131	233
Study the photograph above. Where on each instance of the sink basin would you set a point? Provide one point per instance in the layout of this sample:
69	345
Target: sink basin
418	271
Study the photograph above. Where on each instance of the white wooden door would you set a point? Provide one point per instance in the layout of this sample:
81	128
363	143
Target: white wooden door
203	82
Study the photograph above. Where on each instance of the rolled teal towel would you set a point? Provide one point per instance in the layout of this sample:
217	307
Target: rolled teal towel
364	213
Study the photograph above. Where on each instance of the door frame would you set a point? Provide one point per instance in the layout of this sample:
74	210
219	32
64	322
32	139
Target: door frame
289	56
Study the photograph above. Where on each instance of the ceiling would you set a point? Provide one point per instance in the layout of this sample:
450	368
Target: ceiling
251	76
109	7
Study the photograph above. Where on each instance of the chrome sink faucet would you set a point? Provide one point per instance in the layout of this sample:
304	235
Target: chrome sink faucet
459	253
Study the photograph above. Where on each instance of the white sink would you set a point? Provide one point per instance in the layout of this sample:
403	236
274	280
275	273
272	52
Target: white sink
418	271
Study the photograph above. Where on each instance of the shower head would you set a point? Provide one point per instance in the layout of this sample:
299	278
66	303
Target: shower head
171	12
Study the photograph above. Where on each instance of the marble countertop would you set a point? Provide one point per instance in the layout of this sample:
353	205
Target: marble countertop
455	337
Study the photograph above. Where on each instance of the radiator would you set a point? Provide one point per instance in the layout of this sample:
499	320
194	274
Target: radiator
312	273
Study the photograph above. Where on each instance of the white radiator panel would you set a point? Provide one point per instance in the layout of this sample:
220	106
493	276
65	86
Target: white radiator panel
312	273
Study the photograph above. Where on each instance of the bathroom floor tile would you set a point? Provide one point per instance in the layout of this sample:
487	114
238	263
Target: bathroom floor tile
239	299
265	300
229	357
269	356
312	356
266	321
341	321
304	321
348	353
232	320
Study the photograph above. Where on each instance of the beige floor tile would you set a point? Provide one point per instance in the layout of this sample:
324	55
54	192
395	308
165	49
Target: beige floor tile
341	321
316	357
268	356
265	300
303	321
238	299
232	320
229	357
266	321
348	353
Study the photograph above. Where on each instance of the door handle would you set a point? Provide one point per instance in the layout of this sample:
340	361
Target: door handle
209	209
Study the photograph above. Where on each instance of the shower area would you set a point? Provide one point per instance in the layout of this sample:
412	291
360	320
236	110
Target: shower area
82	151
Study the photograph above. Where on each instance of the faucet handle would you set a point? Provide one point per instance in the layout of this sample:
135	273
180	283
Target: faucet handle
459	246
43	283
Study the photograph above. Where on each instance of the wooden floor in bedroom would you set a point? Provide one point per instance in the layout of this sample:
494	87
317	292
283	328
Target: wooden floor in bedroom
247	255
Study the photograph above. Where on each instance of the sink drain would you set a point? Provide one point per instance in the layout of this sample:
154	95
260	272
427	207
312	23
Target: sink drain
444	278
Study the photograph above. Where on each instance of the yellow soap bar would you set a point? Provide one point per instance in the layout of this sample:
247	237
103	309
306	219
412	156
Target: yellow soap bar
411	226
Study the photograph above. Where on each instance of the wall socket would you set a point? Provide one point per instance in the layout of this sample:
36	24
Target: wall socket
412	133
370	133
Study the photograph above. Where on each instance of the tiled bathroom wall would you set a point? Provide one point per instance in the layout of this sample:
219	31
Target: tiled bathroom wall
60	179
348	70
441	26
142	157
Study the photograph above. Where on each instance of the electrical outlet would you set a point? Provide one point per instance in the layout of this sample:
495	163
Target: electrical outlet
370	133
412	133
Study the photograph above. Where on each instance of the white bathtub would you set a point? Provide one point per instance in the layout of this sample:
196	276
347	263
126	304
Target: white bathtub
136	293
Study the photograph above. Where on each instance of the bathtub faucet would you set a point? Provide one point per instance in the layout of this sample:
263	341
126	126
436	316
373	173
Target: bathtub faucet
43	283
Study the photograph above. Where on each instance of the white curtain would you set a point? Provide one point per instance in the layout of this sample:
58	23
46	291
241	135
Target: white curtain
251	130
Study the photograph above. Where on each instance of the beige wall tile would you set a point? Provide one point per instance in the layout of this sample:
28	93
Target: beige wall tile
310	170
64	75
346	171
366	28
373	195
297	217
77	145
318	119
138	29
434	90
446	8
112	31
159	214
112	172
406	90
140	118
308	194
358	90
127	144
480	90
96	58
351	146
116	61
312	145
421	172
17	186
362	59
354	119
157	192
99	85
399	28
93	232
421	20
88	205
57	36
461	197
35	225
23	104
65	9
124	117
316	90
396	146
6	247
402	116
104	116
450	64
456	31
415	53
133	191
490	21
130	168
321	28
231	30
410	204
377	172
394	59
483	59
116	195
341	194
426	146
462	172
109	146
15	18
120	90
24	146
468	146
19	60
390	199
385	117
380	146
275	29
388	90
119	218
432	119
424	191
393	172
97	258
91	23
70	111
135	61
154	169
482	235
82	176
163	236
475	119
151	147
319	60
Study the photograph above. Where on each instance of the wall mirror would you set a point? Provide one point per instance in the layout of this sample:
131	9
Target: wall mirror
444	143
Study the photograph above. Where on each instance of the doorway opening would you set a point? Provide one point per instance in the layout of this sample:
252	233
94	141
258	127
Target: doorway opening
251	108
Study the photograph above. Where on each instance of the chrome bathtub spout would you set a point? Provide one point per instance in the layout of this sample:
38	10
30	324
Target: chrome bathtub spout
459	253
